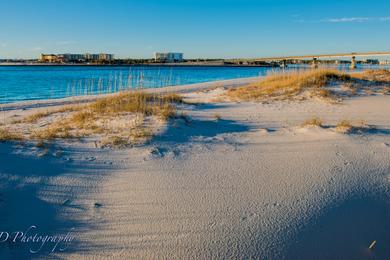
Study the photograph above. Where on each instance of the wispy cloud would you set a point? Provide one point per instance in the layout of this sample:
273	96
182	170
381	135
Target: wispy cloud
37	48
344	19
65	42
356	19
3	44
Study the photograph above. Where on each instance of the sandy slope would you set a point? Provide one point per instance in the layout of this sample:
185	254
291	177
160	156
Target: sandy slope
252	184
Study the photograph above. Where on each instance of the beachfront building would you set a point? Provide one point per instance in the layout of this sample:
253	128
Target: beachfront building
50	58
71	57
168	56
91	57
106	57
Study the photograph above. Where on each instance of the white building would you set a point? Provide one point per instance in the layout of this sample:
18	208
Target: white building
168	56
384	62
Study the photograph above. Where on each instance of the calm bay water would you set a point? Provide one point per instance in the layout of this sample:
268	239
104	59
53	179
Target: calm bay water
20	83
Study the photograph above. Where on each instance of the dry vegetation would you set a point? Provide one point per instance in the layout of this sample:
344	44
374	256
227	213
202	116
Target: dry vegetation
33	118
315	121
302	84
217	116
118	120
347	127
7	135
381	75
289	84
344	126
375	81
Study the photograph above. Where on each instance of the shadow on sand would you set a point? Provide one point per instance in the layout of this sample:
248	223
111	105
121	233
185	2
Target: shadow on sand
28	197
346	232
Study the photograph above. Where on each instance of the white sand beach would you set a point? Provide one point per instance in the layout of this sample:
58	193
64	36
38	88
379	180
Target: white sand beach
237	180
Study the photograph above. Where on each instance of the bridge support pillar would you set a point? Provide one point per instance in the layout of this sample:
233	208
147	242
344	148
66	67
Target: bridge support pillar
314	64
353	63
283	64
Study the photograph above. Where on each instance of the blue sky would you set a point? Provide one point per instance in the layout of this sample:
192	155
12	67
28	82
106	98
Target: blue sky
199	28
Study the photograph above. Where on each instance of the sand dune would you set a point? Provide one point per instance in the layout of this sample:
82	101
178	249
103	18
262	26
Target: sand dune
239	180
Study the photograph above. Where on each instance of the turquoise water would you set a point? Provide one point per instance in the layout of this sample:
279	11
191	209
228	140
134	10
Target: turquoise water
20	83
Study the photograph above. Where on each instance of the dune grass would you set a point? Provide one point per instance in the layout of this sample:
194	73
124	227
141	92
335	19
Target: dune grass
348	127
288	84
136	102
118	119
381	75
7	135
311	122
84	121
35	117
344	126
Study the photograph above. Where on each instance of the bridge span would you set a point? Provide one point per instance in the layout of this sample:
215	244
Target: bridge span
283	59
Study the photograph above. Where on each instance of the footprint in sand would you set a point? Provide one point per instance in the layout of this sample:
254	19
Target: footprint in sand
277	205
347	163
98	205
336	169
157	152
249	216
57	153
66	202
175	152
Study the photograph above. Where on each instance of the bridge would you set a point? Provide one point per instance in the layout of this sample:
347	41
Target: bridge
283	59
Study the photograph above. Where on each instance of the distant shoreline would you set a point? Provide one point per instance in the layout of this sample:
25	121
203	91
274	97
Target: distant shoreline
131	65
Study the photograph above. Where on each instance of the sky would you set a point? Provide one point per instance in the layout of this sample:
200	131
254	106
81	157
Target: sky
198	28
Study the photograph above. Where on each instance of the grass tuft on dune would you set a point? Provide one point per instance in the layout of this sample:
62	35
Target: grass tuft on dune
381	75
7	135
117	120
312	122
288	84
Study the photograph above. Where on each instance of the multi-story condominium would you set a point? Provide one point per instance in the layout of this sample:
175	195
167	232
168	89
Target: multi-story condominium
71	57
168	56
105	56
92	57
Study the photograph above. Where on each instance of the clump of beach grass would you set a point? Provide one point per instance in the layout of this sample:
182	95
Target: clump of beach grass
375	81
55	130
347	126
119	119
35	117
344	126
217	116
312	122
136	102
380	75
289	84
8	135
